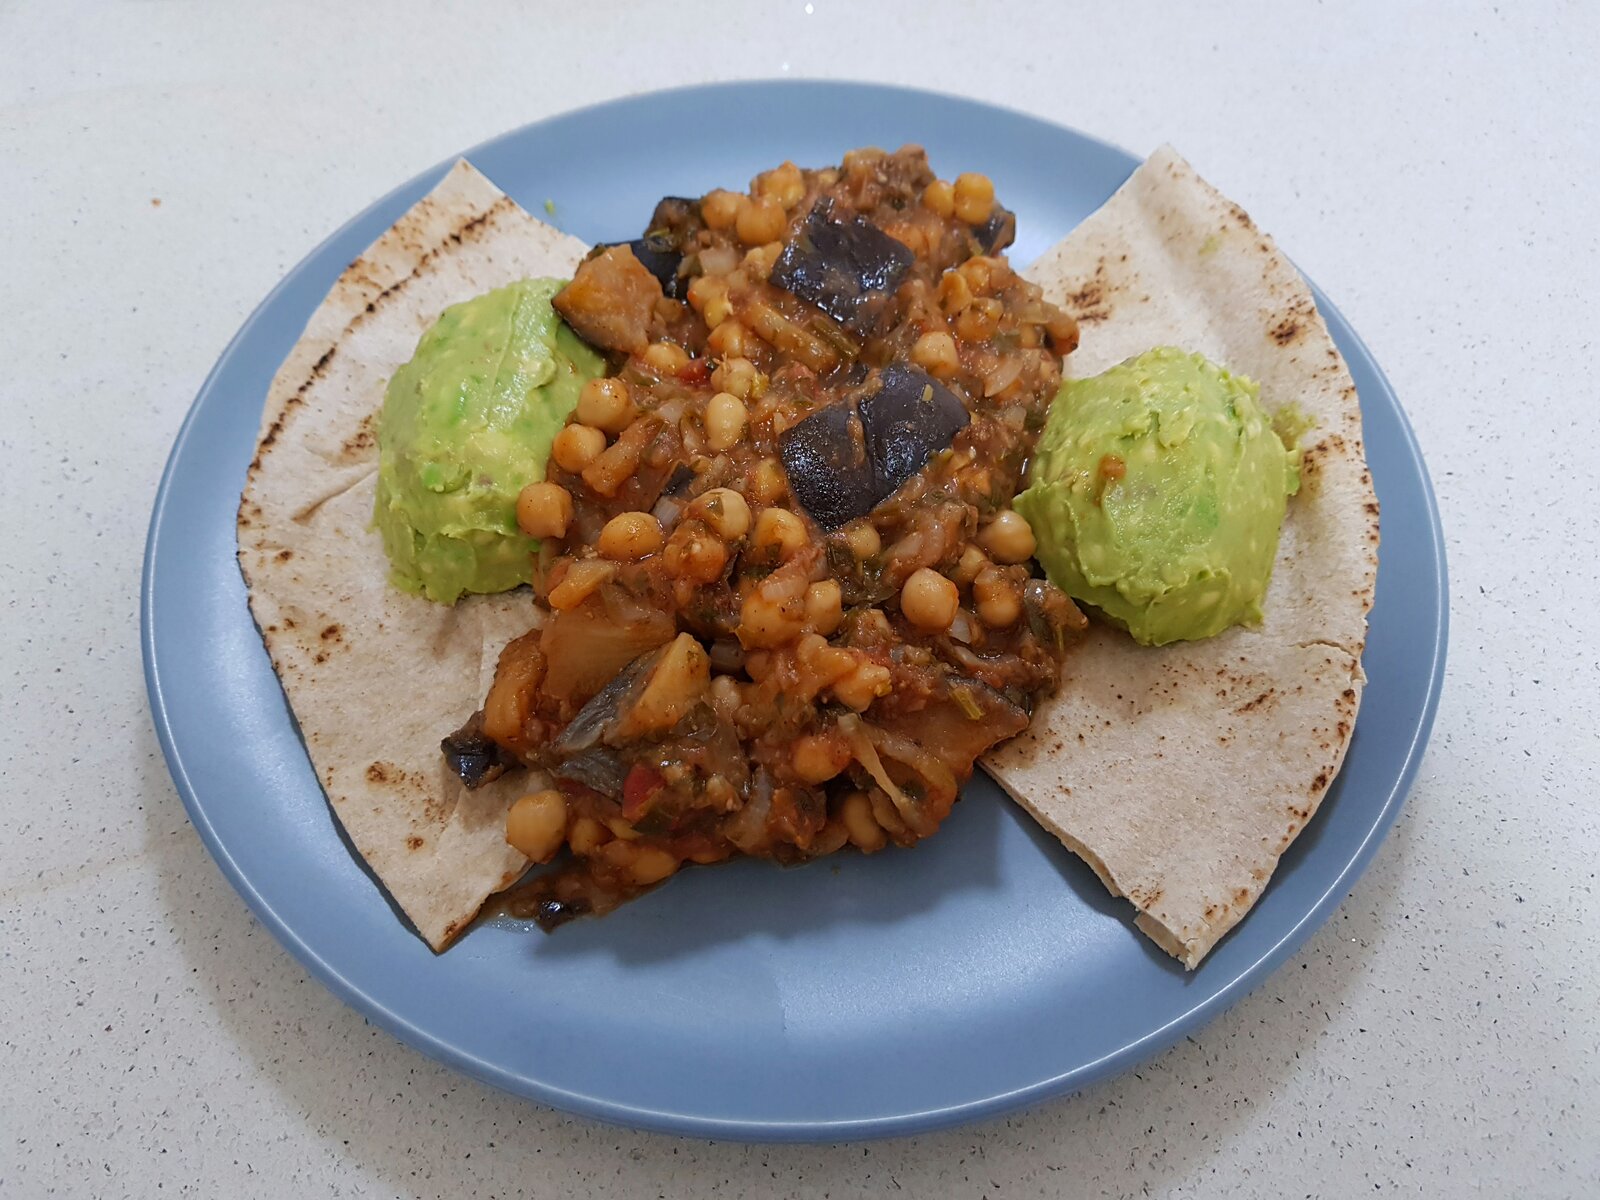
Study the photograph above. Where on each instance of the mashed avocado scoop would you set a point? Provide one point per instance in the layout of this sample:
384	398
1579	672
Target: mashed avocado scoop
466	424
1156	494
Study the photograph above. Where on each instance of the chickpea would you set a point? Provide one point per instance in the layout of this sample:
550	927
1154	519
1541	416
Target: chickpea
576	446
725	510
955	293
781	530
1062	330
665	358
725	420
705	288
863	540
768	484
536	825
1008	538
866	834
940	198
720	209
936	354
544	510
929	600
863	685
817	758
978	271
607	404
738	377
823	665
759	261
999	605
768	623
719	310
784	184
824	606
649	864
629	536
971	562
586	836
979	320
974	198
731	340
760	221
695	553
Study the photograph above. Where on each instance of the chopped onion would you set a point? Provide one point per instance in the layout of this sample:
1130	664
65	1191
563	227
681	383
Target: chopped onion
1002	377
718	260
667	510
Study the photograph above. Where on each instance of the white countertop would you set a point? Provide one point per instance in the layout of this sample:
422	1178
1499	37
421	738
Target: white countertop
162	165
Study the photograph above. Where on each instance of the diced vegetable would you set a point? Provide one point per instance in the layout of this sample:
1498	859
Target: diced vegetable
680	679
998	232
472	756
909	419
638	789
846	266
586	646
829	469
610	301
844	461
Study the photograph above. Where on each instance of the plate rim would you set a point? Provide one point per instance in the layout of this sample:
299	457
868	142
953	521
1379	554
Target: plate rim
1225	995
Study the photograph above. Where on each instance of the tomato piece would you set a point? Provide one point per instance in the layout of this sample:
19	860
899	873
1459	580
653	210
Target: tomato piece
639	789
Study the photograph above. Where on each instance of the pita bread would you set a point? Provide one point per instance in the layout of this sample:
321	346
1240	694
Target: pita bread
1181	774
375	676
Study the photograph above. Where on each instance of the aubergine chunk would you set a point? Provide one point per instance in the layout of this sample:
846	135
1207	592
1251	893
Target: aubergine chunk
830	471
660	257
959	726
660	250
848	458
610	300
908	419
998	232
472	756
846	266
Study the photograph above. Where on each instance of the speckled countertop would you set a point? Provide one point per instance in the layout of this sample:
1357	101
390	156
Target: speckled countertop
162	164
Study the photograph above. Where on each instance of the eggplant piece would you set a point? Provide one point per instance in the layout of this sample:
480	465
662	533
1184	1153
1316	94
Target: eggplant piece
474	758
846	266
998	232
610	300
829	468
847	459
660	250
909	419
661	258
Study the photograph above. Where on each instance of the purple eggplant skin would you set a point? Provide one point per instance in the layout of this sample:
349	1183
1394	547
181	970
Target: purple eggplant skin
909	419
846	266
472	756
998	232
828	466
846	459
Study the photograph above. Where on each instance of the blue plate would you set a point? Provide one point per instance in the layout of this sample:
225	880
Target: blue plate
845	999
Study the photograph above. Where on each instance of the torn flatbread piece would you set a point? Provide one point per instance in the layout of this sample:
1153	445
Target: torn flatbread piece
375	675
1182	773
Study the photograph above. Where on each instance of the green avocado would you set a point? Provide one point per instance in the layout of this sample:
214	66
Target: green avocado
466	424
1156	494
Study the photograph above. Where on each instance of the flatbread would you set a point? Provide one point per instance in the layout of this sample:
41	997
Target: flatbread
1181	774
375	676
